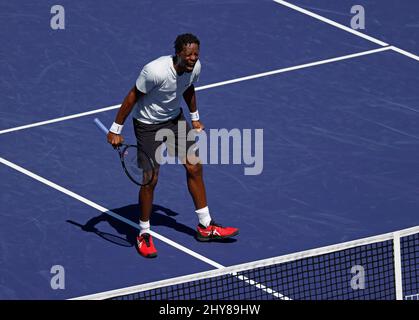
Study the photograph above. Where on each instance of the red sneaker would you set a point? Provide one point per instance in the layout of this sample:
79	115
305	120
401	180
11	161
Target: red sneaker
145	246
215	231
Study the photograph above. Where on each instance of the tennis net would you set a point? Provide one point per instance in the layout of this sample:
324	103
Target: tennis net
383	267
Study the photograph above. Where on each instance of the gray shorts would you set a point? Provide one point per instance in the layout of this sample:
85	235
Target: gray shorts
151	137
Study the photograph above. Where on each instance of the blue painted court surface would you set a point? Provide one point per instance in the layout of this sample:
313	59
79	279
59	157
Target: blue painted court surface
340	143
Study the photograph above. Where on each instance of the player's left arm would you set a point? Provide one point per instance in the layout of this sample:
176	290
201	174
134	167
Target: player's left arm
190	99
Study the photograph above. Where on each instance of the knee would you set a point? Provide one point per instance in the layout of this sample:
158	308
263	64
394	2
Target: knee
152	184
194	169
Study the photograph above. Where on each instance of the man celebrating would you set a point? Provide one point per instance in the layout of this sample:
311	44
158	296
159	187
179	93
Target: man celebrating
156	97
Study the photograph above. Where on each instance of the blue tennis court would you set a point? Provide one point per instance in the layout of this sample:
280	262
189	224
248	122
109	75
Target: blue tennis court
339	112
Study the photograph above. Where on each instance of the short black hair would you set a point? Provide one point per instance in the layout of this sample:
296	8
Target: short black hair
185	39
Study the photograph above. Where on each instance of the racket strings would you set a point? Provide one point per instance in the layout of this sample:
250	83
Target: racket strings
137	164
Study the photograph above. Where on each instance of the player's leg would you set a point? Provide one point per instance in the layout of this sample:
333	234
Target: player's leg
145	134
195	182
207	229
145	245
146	196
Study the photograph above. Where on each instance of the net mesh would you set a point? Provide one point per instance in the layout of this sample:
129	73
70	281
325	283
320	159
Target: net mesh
361	271
337	275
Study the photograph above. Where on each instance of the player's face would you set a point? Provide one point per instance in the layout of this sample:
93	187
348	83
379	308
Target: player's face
188	57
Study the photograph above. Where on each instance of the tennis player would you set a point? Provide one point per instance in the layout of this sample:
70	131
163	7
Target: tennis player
157	98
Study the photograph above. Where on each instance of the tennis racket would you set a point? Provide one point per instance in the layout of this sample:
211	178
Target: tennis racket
137	165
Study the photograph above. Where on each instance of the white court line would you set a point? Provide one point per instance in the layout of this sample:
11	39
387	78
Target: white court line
222	83
331	22
345	28
404	52
302	66
41	123
107	211
133	224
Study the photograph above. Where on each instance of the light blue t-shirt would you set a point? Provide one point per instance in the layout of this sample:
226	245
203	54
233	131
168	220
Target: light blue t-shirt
163	90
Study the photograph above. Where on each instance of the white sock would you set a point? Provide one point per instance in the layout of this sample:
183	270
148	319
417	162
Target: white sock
144	227
204	216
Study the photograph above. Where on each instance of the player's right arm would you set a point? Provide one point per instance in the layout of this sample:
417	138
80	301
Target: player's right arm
132	97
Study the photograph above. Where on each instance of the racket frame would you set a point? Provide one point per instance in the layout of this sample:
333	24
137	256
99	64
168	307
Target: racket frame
102	127
121	150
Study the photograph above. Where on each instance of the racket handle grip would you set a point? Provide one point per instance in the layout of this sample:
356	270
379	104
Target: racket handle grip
100	125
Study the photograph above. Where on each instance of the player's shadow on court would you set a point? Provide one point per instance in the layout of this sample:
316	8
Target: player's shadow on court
127	233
